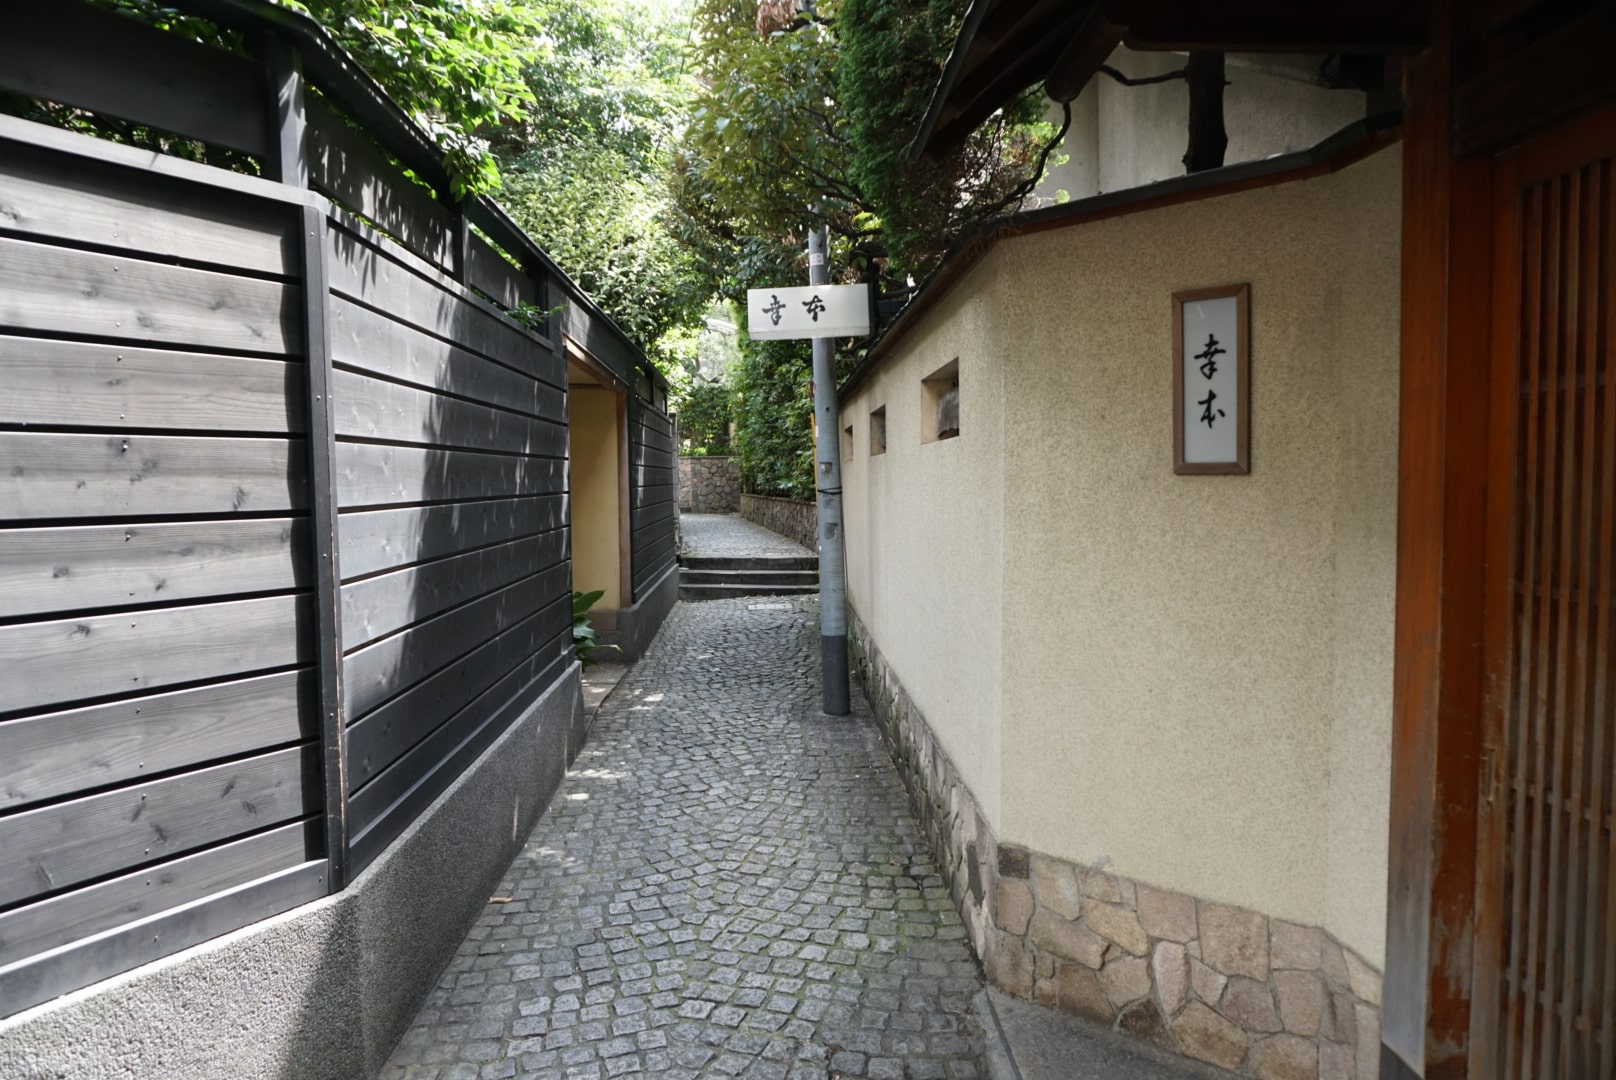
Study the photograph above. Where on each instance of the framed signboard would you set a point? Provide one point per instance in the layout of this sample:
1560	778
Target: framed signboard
1212	381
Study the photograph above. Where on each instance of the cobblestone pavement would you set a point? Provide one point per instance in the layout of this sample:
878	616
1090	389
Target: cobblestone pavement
731	534
726	884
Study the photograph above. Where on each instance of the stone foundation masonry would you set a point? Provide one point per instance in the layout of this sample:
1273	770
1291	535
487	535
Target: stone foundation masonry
1221	984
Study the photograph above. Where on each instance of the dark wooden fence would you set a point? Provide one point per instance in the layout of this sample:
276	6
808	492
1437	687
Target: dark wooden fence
283	513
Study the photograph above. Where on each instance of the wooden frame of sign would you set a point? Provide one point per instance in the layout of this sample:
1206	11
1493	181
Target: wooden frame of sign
1215	452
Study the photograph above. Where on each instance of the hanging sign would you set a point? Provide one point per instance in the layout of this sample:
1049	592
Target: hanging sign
1211	381
808	311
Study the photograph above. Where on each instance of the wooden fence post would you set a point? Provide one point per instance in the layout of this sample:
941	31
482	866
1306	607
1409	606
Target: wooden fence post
290	165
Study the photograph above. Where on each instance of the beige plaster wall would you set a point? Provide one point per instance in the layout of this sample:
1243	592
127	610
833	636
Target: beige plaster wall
596	540
1199	691
1124	136
925	531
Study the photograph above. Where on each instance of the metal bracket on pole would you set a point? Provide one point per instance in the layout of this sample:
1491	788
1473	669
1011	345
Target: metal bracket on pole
828	482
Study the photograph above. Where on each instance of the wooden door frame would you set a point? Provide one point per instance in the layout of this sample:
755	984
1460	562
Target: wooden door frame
610	381
1439	700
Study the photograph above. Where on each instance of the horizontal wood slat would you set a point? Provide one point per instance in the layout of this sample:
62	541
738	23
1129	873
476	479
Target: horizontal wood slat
380	605
60	845
377	672
78	54
361	272
380	737
52	290
78	384
55	754
75	476
369	341
61	920
435	763
66	660
368	408
371	475
48	199
650	495
91	566
349	168
490	273
375	540
41	978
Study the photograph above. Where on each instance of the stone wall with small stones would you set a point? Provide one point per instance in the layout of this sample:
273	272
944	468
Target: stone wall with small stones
798	521
709	485
1220	984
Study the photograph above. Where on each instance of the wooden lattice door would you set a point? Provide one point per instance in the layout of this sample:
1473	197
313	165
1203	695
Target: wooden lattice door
1544	990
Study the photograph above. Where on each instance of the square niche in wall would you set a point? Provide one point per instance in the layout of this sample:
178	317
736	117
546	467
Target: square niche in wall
939	403
847	443
878	431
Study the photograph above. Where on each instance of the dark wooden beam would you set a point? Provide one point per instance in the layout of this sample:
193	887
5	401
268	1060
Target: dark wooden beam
1555	77
1093	40
72	53
1437	694
1272	25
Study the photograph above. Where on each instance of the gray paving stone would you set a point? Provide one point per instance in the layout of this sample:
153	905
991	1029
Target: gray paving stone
727	884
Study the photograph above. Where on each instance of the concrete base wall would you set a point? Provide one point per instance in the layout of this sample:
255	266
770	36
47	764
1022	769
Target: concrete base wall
1218	983
326	990
635	626
793	520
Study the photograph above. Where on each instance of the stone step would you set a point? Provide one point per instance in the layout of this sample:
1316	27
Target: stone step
750	562
725	592
692	576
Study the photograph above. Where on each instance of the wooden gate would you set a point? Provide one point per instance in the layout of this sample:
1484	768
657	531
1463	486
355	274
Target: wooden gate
1545	971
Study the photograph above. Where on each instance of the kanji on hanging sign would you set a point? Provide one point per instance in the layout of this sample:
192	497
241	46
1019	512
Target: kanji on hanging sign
809	311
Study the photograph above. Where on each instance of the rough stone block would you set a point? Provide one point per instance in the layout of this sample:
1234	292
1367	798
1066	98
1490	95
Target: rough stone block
1364	980
1207	984
1368	1020
1098	885
1234	940
1336	1062
1014	906
1285	1057
1334	965
1125	979
1066	939
1143	1020
1055	886
1046	992
1340	1021
1204	1035
1119	926
1080	994
1294	947
1301	1001
1170	970
1013	861
1250	1004
1009	964
1167	915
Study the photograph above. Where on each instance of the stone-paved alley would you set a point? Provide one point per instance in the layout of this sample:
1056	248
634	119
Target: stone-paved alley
727	884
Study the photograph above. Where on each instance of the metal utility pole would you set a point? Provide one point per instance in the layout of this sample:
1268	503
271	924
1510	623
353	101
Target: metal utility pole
828	481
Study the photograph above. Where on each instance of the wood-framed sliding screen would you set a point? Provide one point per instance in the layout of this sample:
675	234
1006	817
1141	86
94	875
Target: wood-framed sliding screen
1212	381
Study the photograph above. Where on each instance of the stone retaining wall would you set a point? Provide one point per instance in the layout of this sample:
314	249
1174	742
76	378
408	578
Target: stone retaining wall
709	485
1221	984
794	520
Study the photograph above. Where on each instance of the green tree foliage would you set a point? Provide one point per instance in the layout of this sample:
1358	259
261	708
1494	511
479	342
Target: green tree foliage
774	415
584	174
813	125
704	418
891	54
454	65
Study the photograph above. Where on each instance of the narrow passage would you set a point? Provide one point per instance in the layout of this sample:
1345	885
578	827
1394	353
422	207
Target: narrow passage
727	884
